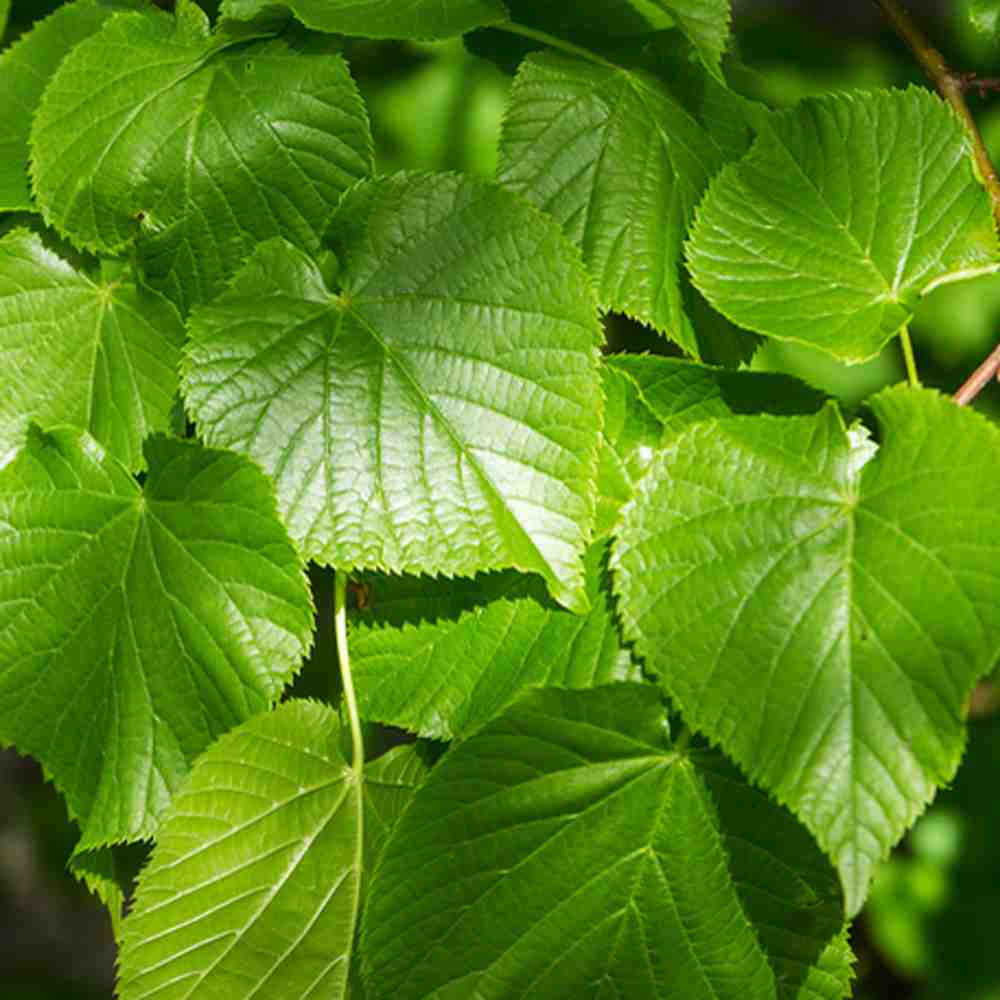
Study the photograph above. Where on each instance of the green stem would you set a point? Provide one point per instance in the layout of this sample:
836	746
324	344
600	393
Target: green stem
346	680
911	365
512	28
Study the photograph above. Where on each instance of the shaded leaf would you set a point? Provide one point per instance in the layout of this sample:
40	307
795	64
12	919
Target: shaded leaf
819	613
254	884
195	146
437	414
845	211
101	356
136	625
381	18
563	850
621	166
25	69
705	23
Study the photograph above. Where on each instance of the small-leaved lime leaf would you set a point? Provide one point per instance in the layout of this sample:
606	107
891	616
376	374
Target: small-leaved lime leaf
440	412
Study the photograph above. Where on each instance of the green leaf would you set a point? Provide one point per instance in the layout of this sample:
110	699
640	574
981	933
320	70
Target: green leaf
845	211
444	677
985	17
25	69
390	781
564	850
195	146
136	625
254	884
4	15
440	413
705	23
621	166
679	393
427	19
787	887
821	614
101	356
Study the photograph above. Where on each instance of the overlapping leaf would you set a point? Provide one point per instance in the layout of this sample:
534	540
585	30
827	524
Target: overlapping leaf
136	625
566	849
197	145
821	615
101	356
440	412
844	212
704	22
621	165
381	18
25	69
254	886
441	658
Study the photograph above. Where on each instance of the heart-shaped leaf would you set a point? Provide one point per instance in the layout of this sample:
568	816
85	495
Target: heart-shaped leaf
844	212
621	165
138	624
100	356
440	411
196	145
254	885
813	610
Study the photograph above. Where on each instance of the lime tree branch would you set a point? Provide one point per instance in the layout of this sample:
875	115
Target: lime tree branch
979	379
950	85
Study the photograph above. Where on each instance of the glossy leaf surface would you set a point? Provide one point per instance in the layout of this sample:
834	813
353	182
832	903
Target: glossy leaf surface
621	165
138	624
195	145
563	850
439	411
844	212
254	886
25	69
98	355
814	610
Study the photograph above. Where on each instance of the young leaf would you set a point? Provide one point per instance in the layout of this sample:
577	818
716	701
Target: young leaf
196	146
136	625
440	414
25	69
427	19
819	613
253	888
621	166
564	850
985	17
100	356
704	22
844	212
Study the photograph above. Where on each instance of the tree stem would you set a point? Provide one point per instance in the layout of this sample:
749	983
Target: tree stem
951	86
979	379
346	680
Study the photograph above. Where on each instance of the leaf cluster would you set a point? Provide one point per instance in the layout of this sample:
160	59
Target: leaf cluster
682	648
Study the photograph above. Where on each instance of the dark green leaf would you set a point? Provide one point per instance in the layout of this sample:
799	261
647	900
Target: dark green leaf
565	850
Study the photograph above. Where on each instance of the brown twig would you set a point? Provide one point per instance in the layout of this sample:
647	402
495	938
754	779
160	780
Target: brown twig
979	379
981	84
950	86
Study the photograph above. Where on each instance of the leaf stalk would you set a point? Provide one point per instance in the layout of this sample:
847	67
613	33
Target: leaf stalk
911	363
346	679
513	28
